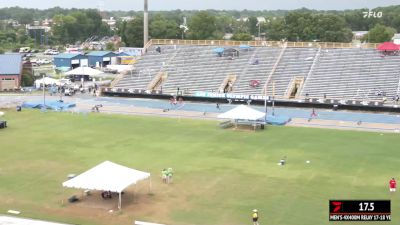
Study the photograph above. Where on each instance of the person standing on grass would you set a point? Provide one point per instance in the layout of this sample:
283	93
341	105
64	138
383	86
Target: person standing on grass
169	175
392	185
164	175
254	216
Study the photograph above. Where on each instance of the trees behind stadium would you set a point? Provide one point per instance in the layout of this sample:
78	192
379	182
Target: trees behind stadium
71	25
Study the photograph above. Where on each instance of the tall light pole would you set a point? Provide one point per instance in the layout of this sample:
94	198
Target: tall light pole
265	103
44	94
146	23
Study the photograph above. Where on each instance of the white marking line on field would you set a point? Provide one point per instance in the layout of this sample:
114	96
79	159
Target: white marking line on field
146	223
13	212
8	220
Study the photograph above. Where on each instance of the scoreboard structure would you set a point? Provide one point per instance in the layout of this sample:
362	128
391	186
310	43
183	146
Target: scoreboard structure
359	210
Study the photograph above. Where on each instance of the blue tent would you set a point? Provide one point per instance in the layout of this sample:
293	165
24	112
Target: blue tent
219	50
244	46
54	105
278	120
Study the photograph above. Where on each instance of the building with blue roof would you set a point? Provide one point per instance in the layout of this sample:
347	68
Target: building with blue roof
10	71
70	60
101	58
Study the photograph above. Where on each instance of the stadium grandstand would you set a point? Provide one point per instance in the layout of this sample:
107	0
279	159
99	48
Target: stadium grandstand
286	70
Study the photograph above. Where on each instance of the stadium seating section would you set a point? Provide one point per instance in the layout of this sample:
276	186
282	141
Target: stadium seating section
340	73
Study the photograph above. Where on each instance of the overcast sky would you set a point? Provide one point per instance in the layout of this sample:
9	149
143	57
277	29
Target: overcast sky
200	4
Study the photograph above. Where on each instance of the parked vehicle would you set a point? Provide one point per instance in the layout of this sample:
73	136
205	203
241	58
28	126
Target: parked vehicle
51	52
108	70
24	49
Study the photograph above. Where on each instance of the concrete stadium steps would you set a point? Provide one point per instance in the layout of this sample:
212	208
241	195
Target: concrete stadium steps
354	74
338	73
295	62
267	57
198	68
147	67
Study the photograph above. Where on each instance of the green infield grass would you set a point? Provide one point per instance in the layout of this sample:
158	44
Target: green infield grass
220	175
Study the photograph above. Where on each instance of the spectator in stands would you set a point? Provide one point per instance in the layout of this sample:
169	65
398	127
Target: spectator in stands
255	62
158	49
397	98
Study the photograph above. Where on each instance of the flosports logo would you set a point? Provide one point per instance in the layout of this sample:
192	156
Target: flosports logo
338	206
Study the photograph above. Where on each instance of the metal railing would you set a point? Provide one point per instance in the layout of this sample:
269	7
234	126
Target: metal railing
260	43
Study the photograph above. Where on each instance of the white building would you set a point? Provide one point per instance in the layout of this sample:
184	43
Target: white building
357	35
261	19
396	39
110	22
127	18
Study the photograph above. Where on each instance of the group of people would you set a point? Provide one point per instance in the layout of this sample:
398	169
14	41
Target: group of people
69	90
106	194
166	175
173	101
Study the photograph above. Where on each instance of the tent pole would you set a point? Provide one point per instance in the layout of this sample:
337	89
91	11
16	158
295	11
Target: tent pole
150	184
119	202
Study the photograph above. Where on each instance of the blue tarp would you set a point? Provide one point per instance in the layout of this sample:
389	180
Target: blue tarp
278	120
244	46
219	50
54	105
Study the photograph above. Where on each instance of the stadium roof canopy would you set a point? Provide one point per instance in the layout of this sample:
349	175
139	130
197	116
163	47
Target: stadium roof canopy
107	176
388	46
242	112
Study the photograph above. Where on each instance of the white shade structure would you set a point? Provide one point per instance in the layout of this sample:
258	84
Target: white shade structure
85	71
242	112
46	81
107	176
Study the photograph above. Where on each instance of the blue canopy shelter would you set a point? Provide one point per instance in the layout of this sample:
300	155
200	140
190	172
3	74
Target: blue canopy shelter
245	47
219	50
54	105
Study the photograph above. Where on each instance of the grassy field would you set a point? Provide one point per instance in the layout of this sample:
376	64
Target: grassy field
221	175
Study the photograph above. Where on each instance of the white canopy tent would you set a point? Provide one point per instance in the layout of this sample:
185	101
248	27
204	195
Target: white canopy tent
242	112
46	81
107	176
243	115
85	71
